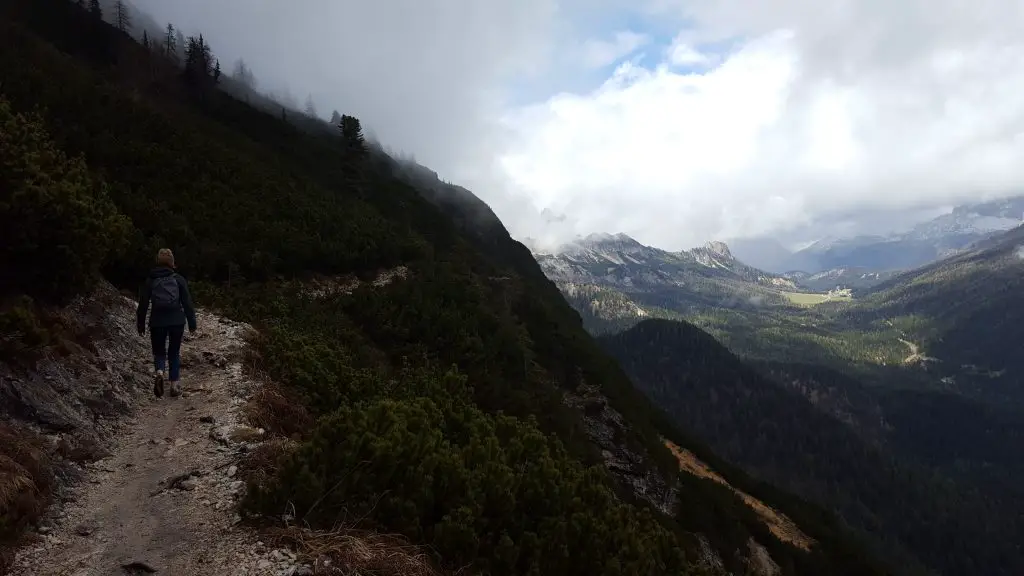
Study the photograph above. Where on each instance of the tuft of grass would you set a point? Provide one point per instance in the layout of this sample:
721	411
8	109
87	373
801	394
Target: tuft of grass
278	412
26	482
262	464
245	434
347	552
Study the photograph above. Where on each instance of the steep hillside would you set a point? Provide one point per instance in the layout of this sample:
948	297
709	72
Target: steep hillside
967	316
777	434
461	406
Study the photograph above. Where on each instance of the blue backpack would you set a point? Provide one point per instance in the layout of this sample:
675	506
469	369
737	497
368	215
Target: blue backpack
165	293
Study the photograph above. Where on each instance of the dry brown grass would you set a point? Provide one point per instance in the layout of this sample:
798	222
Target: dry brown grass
245	434
778	523
261	465
273	407
26	479
278	412
355	553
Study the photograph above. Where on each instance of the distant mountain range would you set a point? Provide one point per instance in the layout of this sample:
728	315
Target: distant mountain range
616	281
619	260
846	261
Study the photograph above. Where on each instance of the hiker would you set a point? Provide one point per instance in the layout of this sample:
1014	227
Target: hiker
172	307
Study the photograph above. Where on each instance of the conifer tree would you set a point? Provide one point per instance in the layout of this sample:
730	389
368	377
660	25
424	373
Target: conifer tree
170	46
94	8
352	133
243	74
202	70
122	19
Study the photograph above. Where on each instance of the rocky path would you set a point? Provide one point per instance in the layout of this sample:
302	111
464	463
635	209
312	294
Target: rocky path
164	500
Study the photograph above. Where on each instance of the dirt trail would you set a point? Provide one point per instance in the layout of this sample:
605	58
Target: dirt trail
135	506
915	354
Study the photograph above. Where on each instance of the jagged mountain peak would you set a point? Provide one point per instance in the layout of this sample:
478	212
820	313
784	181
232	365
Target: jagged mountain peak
718	248
713	254
620	260
604	238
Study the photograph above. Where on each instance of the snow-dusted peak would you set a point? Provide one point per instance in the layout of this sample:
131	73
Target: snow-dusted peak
599	237
605	240
619	260
614	248
714	254
718	248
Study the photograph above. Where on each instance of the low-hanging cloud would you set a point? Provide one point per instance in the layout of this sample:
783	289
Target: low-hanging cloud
715	119
423	75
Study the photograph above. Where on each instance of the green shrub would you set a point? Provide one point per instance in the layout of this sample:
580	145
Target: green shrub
57	225
483	490
21	330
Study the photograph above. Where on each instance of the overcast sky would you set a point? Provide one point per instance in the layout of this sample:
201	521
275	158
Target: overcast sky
675	121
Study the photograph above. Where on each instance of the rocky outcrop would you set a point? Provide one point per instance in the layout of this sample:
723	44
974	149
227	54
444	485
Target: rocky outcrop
605	426
759	561
75	391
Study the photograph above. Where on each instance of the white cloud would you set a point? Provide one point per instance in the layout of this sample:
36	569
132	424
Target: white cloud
601	53
423	75
682	53
818	109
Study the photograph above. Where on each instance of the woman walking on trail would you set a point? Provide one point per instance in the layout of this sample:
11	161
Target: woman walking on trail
172	307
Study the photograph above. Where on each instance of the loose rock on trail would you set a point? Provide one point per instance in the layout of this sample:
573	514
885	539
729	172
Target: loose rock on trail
164	499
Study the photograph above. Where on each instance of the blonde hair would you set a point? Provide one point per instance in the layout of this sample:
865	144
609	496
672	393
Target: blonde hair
165	257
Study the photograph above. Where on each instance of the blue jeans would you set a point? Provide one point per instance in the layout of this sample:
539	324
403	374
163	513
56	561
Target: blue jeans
166	342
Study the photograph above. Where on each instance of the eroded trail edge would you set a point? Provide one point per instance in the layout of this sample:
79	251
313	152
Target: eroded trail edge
165	497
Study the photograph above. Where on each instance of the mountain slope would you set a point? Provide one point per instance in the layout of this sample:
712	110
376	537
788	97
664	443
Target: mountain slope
614	281
780	437
620	260
524	452
849	277
968	316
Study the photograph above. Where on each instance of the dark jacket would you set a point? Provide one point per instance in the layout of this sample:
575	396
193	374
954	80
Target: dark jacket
164	318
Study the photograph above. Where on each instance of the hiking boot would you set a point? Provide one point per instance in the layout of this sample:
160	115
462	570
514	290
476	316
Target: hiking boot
175	388
158	383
